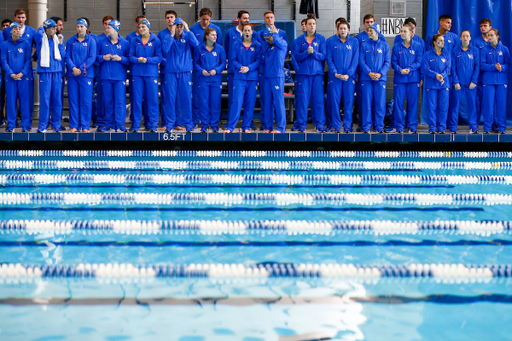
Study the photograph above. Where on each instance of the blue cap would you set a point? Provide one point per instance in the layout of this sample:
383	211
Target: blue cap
81	22
178	21
376	27
267	32
145	22
49	23
116	25
14	24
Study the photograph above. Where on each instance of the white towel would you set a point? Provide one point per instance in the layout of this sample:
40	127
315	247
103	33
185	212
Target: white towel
45	50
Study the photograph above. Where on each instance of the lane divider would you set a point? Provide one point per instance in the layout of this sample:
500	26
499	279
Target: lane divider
231	154
267	179
250	165
244	225
12	198
257	270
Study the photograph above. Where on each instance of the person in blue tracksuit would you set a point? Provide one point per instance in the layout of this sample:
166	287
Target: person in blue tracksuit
145	55
177	51
363	37
16	63
80	59
495	62
309	52
465	71
406	60
113	59
170	17
232	35
343	59
436	67
209	62
480	42
28	33
274	53
50	52
269	19
374	60
205	14
246	60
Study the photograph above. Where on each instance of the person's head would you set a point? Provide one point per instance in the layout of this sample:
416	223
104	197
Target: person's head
247	31
311	24
138	19
406	32
144	27
412	23
368	21
269	18
6	23
438	41
20	16
445	22
60	24
267	35
81	28
243	17
112	29
494	36
485	25
373	32
15	31
465	37
343	28
303	25
50	27
179	26
170	16
105	21
210	36
205	15
338	21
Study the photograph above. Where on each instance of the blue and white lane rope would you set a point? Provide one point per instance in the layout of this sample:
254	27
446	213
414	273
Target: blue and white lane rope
266	225
249	179
252	154
249	165
257	270
255	198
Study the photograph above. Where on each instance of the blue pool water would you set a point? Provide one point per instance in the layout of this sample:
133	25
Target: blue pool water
189	308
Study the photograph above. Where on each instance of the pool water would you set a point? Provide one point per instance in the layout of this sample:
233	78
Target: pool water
275	229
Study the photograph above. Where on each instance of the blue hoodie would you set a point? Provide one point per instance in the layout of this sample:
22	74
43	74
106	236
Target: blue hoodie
232	35
205	60
432	65
152	51
178	52
81	55
309	64
342	57
16	57
241	56
274	55
374	56
407	58
55	65
109	69
489	57
465	65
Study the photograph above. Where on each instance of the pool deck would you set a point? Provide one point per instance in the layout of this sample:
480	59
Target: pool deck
237	136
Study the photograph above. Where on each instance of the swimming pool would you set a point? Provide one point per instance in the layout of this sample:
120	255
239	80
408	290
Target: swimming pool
255	245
